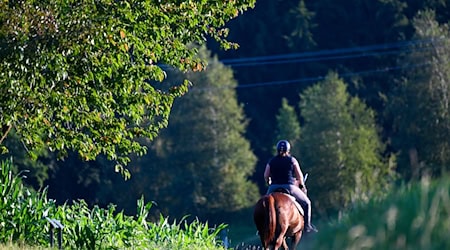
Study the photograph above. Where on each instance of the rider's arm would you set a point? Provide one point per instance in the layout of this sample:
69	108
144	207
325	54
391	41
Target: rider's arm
298	173
267	174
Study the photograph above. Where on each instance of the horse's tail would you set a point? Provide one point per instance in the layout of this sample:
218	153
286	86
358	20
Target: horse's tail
271	219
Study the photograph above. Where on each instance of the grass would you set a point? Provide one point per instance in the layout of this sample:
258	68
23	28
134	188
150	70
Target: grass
15	246
23	223
414	217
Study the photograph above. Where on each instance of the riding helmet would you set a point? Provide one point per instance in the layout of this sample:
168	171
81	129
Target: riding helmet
283	146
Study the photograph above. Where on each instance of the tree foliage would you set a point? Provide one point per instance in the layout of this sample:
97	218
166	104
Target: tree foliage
84	75
340	145
288	126
199	164
278	28
420	103
356	38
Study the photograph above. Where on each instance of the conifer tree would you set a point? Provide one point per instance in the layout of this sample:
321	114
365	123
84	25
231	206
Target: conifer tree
340	145
420	103
288	126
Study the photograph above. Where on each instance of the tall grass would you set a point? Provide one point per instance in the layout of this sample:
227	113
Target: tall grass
22	211
23	222
414	217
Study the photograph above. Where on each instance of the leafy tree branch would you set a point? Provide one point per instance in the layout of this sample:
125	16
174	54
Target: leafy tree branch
86	75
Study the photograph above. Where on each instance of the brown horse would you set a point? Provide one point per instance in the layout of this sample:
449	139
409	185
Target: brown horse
277	217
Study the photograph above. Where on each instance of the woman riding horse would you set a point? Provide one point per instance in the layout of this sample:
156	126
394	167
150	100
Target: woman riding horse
283	171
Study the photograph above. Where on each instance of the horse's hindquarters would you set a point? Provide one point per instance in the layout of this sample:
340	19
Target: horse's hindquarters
276	217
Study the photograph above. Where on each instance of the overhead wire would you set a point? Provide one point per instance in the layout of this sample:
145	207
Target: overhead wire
418	46
422	45
341	53
343	75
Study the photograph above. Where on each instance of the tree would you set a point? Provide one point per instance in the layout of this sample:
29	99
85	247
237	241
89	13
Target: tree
340	146
301	34
199	164
419	105
278	28
288	126
84	76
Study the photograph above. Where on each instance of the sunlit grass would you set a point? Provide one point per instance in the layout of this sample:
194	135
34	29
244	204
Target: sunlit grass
23	223
413	217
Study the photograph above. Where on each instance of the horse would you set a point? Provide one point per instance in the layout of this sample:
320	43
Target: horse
276	217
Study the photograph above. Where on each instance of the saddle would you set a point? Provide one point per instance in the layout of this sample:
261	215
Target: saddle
286	192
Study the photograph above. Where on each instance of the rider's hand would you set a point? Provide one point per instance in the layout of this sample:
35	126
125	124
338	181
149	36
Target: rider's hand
304	189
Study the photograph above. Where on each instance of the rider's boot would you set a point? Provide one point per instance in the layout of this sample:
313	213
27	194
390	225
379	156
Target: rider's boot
309	227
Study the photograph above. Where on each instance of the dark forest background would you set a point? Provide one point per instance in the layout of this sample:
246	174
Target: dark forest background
360	88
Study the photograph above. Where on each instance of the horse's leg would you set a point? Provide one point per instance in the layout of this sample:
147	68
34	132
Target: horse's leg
281	241
296	239
285	246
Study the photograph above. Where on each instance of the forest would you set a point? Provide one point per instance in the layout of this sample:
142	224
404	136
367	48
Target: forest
360	89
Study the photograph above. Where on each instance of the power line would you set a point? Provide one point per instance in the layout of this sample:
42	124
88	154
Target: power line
344	75
332	52
372	50
342	53
318	78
